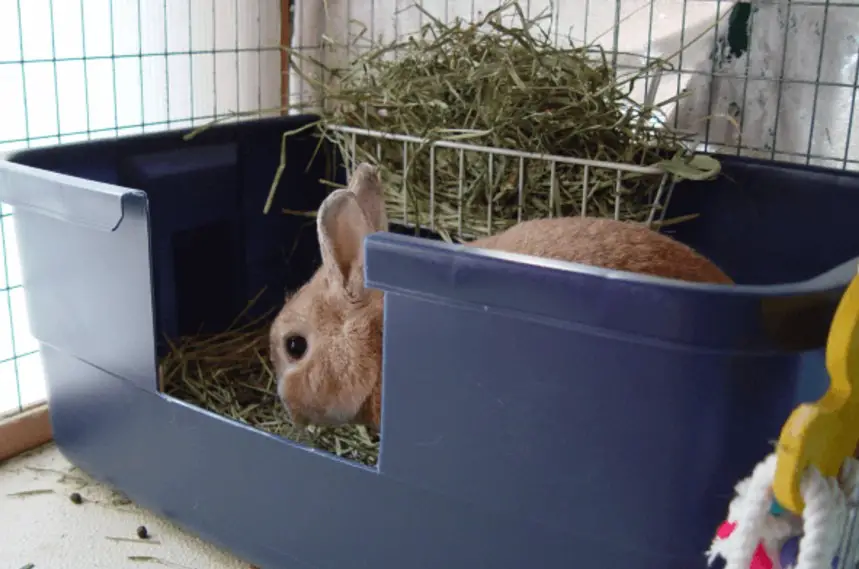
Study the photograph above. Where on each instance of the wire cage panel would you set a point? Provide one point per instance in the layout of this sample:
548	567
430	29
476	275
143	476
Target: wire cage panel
75	71
768	78
789	82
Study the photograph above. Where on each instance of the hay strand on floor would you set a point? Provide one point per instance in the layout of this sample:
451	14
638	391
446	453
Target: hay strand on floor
502	85
230	374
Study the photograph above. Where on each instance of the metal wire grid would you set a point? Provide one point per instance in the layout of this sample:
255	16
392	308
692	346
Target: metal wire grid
412	144
805	53
808	92
86	69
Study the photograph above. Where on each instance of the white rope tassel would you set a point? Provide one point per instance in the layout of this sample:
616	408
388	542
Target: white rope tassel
823	520
751	519
849	477
820	528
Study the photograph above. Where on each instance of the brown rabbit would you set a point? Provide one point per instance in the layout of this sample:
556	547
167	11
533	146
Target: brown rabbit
326	342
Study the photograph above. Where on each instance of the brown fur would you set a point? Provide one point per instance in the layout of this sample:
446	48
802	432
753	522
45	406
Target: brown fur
339	378
609	244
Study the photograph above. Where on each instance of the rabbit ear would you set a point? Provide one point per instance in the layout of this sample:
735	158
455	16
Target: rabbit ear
367	187
342	226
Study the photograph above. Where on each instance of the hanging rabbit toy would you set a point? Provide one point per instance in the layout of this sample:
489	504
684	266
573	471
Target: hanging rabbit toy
797	509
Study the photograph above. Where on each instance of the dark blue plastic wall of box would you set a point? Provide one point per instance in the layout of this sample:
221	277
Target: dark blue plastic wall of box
536	414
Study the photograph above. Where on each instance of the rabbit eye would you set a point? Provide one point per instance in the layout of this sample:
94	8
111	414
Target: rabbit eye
296	346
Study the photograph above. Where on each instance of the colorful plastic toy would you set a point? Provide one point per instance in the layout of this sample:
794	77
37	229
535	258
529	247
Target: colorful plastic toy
792	512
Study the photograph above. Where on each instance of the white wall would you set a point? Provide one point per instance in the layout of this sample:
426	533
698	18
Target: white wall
78	70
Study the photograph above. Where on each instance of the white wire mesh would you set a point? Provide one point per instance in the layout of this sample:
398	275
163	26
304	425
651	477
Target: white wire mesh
79	70
848	552
791	92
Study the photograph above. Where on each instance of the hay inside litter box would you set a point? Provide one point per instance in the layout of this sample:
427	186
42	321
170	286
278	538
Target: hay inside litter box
504	85
230	374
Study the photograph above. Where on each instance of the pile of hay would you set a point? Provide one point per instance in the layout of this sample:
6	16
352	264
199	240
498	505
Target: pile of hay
230	374
505	86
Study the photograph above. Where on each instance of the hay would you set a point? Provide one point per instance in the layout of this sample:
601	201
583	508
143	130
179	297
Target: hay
502	86
229	374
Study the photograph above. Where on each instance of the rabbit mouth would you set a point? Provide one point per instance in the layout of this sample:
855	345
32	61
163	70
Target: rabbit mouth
297	419
329	419
303	413
306	417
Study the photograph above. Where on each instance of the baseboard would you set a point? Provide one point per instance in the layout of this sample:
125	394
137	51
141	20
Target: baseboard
24	431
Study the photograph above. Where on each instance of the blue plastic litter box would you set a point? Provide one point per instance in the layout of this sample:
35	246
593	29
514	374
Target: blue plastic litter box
535	414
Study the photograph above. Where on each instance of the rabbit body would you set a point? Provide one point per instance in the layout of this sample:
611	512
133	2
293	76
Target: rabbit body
326	342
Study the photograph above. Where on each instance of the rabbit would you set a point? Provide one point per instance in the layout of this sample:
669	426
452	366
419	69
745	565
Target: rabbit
326	341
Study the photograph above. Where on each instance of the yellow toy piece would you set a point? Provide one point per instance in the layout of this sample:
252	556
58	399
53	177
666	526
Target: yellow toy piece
825	432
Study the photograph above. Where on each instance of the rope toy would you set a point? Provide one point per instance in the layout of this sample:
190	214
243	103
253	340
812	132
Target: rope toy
797	510
758	534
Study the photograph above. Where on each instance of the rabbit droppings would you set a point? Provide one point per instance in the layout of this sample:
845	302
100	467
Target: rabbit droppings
326	342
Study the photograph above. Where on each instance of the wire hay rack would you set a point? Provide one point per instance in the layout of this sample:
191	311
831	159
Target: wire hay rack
474	190
477	125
